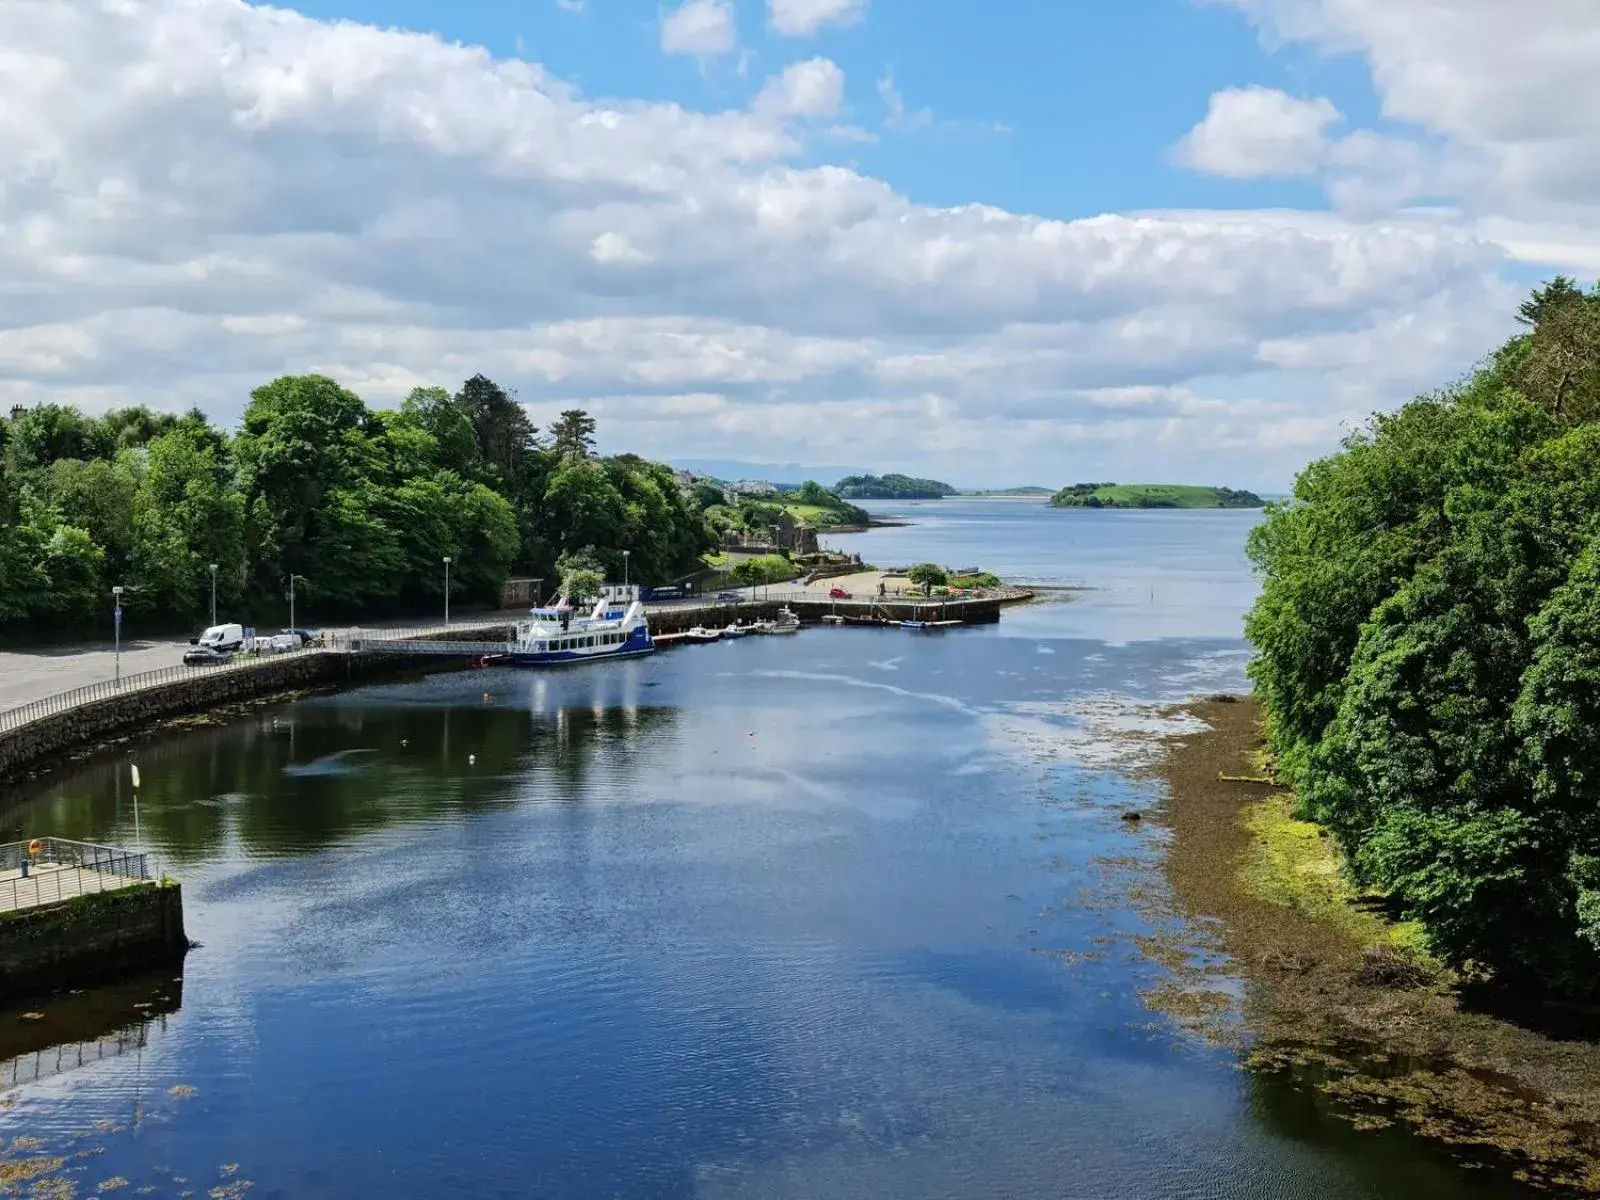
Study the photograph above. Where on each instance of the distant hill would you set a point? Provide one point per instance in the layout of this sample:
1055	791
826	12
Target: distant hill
1152	495
891	487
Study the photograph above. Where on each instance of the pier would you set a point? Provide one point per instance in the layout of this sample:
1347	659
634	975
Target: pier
75	913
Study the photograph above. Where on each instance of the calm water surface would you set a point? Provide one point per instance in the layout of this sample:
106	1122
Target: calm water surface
823	916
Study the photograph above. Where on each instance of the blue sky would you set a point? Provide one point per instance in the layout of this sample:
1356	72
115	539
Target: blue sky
1091	96
1217	234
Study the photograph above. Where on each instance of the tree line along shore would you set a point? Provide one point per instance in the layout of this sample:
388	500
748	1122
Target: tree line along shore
358	507
1427	656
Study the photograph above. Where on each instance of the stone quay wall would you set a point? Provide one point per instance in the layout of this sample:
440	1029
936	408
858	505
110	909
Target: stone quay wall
28	746
90	938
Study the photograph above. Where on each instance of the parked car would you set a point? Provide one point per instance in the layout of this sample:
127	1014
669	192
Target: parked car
838	593
304	637
728	597
225	638
205	656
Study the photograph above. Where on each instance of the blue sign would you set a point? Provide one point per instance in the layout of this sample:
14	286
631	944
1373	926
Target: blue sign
249	631
117	613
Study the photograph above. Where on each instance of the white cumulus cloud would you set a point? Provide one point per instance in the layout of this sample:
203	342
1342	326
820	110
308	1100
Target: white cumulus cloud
700	29
814	88
804	18
1251	132
1494	104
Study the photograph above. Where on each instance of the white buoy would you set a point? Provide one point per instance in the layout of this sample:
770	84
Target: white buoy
471	759
404	743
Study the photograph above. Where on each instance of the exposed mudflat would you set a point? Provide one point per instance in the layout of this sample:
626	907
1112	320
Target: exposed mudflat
1387	1046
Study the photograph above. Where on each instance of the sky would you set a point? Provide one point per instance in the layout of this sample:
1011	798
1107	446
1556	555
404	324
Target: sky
997	244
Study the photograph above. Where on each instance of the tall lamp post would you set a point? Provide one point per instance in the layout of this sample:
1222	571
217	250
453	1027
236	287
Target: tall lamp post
213	593
116	625
447	589
625	554
292	578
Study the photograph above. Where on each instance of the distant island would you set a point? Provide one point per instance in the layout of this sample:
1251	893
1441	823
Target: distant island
1011	491
891	487
1152	495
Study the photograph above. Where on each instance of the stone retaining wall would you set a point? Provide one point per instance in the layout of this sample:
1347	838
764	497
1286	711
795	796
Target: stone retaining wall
38	740
30	745
90	938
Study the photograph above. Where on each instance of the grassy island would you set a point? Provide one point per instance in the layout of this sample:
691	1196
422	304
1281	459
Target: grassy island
1152	495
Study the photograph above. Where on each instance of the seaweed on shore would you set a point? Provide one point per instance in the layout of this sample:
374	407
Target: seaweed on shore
1341	997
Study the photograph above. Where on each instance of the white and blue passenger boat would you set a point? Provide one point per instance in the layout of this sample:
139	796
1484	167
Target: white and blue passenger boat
617	628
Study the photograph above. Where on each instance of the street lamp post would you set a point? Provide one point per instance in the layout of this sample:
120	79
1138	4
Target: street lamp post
625	554
447	589
116	624
213	593
292	578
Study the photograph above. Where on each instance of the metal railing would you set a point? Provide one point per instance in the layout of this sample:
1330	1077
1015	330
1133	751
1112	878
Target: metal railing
49	870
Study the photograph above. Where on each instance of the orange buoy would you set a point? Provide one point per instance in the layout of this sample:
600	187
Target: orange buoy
36	847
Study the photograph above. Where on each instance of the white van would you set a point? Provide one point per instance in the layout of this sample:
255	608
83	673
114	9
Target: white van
226	638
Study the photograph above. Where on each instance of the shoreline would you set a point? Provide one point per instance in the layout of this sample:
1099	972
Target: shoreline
1329	1002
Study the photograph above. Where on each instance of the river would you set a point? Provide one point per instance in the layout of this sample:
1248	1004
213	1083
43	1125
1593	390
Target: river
842	914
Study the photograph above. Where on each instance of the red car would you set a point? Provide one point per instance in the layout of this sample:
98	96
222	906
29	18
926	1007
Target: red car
838	593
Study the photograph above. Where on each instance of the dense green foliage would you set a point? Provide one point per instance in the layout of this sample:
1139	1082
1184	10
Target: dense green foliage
760	569
891	487
1152	495
1428	652
361	505
928	576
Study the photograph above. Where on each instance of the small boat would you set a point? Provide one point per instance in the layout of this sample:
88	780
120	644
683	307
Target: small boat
833	618
784	622
701	634
914	625
737	631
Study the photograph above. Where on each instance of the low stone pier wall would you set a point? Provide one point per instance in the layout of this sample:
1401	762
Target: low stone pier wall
35	742
90	938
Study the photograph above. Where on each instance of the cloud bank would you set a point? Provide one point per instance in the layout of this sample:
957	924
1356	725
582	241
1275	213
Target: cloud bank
199	194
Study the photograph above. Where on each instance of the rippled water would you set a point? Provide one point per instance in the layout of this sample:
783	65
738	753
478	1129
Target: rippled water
843	914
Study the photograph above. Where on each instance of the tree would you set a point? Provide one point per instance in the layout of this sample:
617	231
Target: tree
706	495
581	576
813	493
48	433
449	421
1560	369
749	572
501	426
573	435
928	576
